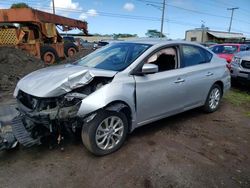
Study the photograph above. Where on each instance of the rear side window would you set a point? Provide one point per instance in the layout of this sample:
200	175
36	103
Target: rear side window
193	55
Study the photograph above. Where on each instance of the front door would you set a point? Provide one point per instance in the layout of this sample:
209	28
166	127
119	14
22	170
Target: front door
160	94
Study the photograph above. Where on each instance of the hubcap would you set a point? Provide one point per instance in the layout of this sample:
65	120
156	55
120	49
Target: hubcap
109	132
214	98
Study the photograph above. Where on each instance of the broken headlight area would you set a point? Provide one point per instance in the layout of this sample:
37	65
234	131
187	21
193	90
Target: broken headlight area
41	117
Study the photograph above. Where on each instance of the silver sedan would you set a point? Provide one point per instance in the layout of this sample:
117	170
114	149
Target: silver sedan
118	88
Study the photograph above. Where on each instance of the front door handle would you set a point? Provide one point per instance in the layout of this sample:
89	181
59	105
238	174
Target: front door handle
179	80
209	74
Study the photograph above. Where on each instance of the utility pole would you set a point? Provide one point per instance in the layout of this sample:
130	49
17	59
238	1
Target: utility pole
203	28
232	14
162	17
53	5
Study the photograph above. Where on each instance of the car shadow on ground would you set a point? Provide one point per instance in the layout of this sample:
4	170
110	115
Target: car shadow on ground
172	125
245	87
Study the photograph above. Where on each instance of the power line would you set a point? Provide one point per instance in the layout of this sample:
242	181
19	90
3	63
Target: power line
133	17
232	5
193	11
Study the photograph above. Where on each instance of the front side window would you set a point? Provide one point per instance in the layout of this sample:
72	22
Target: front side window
165	59
116	57
193	55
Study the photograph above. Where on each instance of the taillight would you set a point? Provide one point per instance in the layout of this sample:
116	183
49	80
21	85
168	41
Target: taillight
228	66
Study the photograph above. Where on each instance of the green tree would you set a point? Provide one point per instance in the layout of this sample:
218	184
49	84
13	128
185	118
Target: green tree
153	33
19	5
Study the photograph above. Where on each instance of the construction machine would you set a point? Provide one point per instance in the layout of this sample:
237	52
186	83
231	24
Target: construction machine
37	33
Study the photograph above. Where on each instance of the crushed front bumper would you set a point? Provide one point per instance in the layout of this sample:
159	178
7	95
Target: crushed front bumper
11	135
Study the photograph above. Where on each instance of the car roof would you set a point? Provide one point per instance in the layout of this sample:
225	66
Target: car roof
159	41
228	44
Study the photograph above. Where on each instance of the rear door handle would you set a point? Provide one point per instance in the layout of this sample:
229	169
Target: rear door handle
179	80
209	74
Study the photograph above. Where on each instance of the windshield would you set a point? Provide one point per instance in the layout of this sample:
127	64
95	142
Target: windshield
116	57
224	49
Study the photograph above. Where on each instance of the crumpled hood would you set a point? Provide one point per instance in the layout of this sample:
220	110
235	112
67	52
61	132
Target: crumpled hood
57	80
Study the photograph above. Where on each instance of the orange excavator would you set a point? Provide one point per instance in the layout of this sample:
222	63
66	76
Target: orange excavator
37	33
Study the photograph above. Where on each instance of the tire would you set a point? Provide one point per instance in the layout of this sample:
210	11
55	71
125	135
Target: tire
48	55
213	99
97	126
70	49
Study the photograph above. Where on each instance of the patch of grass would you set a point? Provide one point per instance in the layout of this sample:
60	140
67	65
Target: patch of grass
238	98
248	113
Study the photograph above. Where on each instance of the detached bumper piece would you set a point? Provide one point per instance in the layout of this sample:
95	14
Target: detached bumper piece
7	138
21	134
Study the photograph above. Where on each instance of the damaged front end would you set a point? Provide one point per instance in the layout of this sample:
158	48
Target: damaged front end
51	117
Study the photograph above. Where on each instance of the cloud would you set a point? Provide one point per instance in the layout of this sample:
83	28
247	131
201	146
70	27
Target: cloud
89	13
83	16
129	7
92	12
67	4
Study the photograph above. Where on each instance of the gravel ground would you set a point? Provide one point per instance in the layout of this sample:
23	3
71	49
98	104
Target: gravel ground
192	149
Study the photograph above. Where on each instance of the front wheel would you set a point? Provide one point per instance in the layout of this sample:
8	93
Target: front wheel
213	99
105	133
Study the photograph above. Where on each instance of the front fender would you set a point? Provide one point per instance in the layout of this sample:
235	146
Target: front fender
114	91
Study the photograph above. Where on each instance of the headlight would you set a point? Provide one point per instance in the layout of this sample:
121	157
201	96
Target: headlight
236	60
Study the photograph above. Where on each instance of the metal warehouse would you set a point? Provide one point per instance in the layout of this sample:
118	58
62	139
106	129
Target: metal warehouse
203	35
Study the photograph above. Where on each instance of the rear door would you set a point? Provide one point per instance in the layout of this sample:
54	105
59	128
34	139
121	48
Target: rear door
199	74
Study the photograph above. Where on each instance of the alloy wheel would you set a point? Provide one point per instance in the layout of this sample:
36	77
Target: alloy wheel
109	132
214	98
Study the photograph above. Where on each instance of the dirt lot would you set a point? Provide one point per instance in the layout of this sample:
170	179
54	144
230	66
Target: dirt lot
192	149
16	63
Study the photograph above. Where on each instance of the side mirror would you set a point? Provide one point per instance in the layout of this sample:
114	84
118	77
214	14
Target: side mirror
149	68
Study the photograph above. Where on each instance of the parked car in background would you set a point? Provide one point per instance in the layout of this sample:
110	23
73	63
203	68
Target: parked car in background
240	66
227	51
102	43
208	44
85	44
112	91
71	46
69	39
106	42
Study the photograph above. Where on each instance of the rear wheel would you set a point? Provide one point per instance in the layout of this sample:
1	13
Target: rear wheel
213	99
105	133
48	55
70	49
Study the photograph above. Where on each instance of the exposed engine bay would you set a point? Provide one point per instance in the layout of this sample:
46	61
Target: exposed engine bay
41	118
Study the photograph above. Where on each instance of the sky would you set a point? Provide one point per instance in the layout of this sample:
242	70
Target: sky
137	16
